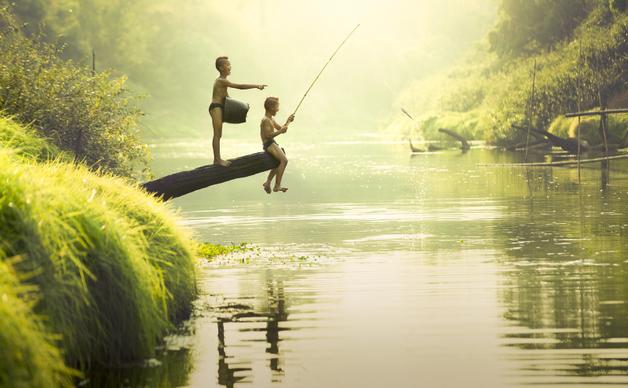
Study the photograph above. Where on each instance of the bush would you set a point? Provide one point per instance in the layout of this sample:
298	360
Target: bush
89	115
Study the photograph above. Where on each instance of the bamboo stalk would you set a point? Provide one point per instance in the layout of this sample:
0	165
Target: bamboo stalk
595	113
530	102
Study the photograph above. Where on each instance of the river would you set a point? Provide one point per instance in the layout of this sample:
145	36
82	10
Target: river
379	268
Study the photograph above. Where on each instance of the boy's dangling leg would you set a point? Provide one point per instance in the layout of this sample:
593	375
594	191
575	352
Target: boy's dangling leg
283	162
266	184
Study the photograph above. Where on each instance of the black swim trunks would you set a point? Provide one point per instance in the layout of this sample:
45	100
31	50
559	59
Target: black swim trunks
216	105
268	143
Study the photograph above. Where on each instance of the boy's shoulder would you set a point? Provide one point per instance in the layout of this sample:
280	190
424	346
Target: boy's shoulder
266	121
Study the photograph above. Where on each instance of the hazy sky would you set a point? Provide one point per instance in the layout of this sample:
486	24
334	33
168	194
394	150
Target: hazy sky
284	43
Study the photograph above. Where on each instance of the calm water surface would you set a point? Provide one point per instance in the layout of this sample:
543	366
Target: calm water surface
382	269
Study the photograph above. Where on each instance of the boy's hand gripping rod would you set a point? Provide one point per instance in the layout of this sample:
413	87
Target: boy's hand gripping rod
321	72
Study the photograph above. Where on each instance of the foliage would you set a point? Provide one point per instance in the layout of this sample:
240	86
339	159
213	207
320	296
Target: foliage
113	270
528	26
28	356
88	115
25	142
589	128
486	96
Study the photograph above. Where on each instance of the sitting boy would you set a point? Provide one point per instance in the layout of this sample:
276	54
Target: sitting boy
269	129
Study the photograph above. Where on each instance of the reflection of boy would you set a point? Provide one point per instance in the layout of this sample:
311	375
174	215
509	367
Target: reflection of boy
217	106
268	134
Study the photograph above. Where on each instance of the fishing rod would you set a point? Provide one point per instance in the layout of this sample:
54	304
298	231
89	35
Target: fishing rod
321	72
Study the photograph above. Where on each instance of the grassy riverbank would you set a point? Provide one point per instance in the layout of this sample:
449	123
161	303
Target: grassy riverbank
576	59
94	271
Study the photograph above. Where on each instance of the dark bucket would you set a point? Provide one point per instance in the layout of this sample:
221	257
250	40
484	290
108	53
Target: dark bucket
235	111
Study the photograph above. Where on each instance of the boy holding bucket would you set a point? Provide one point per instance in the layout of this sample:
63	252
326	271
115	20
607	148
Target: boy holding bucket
217	106
268	134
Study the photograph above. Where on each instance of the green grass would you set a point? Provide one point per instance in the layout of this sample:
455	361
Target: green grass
113	270
589	128
28	355
25	141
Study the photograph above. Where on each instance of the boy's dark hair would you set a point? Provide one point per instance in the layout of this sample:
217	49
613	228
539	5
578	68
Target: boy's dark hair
220	61
270	102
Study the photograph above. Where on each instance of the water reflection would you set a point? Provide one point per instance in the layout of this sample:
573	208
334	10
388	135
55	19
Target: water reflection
226	375
566	289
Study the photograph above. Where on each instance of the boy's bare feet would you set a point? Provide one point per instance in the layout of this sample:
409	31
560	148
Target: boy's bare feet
282	189
220	162
266	187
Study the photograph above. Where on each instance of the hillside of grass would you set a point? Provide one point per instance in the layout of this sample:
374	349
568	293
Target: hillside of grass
93	271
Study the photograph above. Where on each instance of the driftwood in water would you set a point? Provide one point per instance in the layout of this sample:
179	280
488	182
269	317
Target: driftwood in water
463	142
569	145
542	143
184	182
430	148
413	148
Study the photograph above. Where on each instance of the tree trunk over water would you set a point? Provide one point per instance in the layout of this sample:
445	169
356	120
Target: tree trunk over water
184	182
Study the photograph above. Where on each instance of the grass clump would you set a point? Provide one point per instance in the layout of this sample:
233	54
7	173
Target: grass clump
28	355
25	141
589	128
113	270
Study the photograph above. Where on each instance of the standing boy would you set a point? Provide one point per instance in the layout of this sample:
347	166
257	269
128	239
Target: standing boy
268	134
217	106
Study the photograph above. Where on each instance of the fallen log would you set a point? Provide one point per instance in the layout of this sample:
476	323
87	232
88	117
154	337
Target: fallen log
569	145
537	144
463	142
185	182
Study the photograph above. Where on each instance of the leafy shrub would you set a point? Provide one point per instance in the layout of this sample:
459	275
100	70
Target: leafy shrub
89	115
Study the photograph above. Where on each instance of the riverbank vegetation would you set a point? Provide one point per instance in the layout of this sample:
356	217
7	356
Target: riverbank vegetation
101	260
89	114
579	48
93	271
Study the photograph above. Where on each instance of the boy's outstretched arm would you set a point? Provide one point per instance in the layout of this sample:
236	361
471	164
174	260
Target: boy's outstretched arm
230	84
